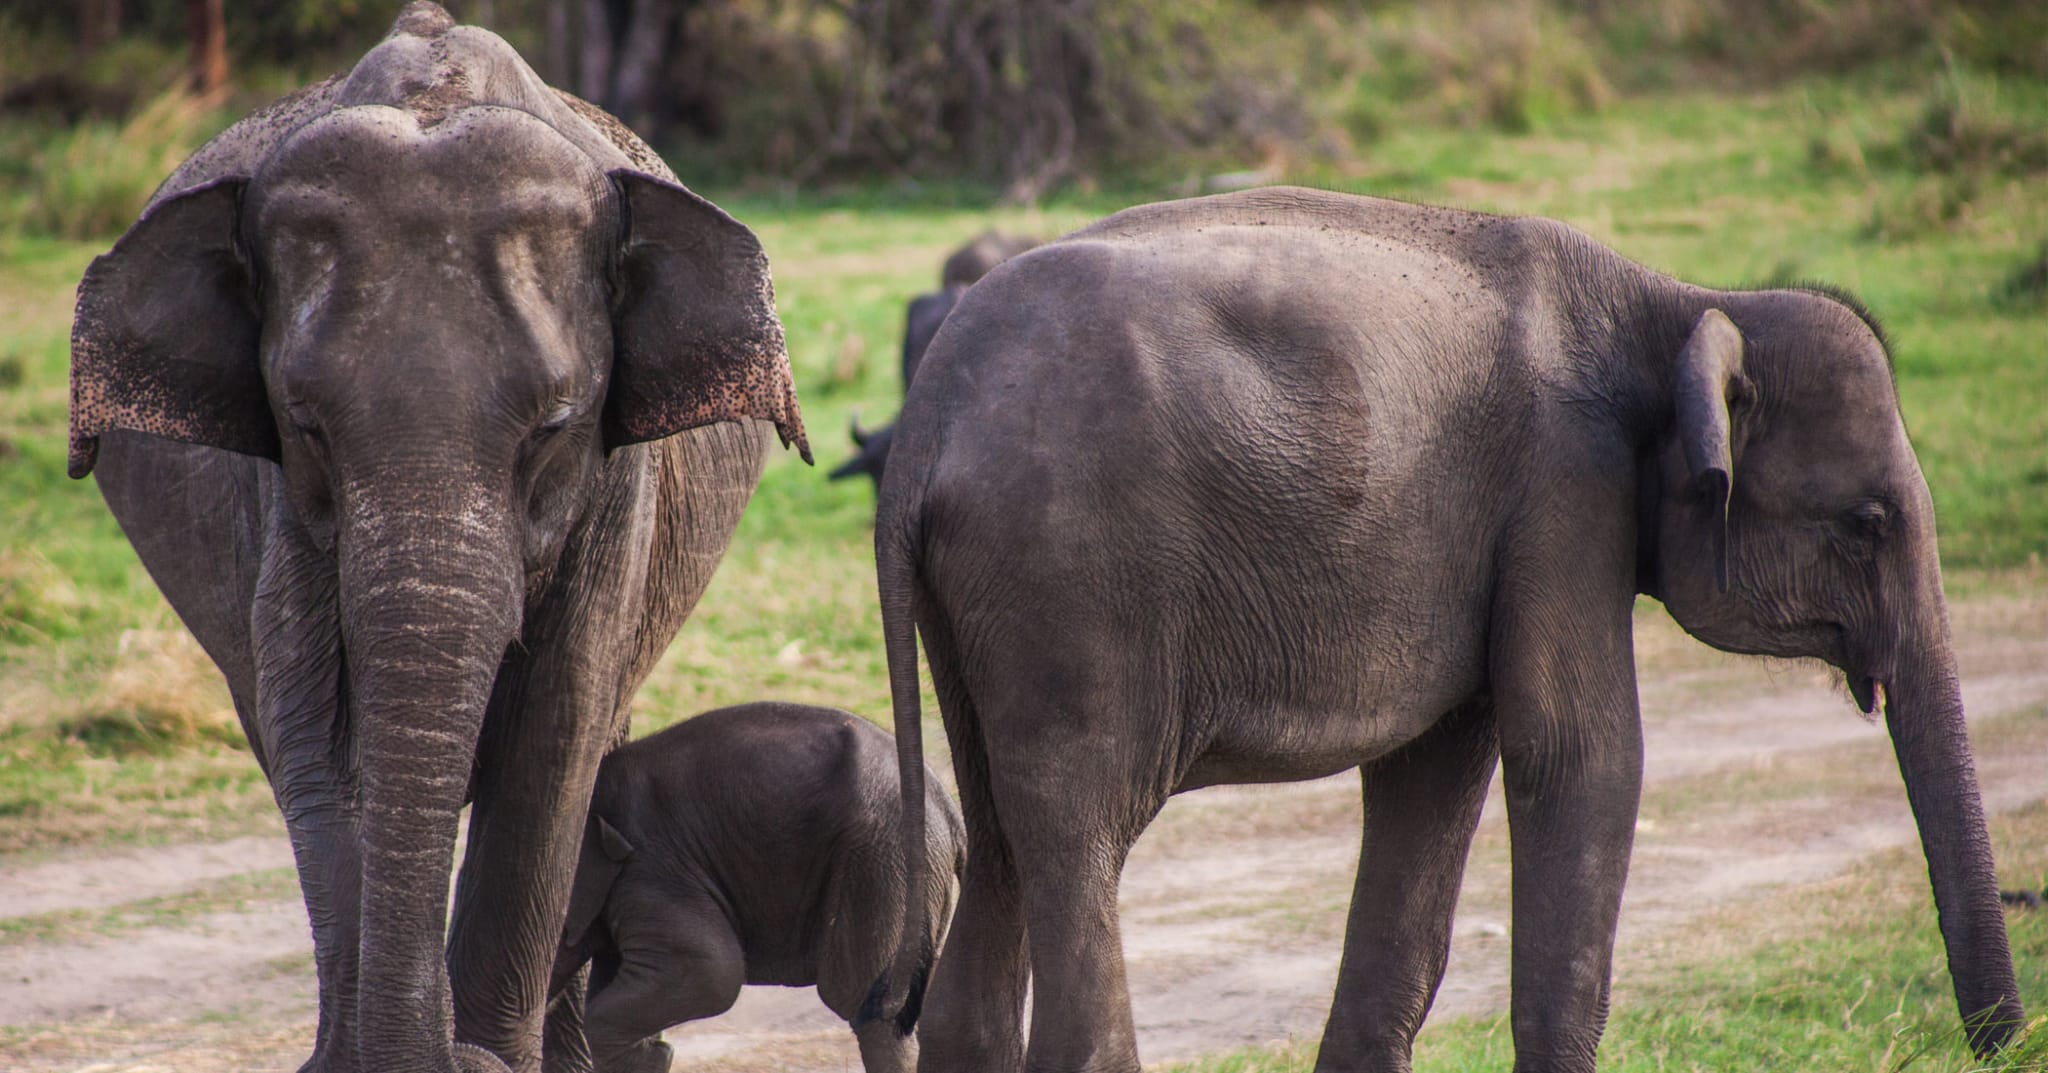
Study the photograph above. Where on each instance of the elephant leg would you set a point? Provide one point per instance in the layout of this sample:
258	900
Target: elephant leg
330	877
558	703
1075	805
679	962
973	1018
882	1050
1422	803
565	1046
1572	765
304	730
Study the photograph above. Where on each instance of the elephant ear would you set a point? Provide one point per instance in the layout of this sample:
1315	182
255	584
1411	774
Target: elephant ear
695	336
1710	379
603	856
165	336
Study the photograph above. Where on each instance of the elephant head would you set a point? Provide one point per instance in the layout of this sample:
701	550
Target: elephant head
1792	519
444	318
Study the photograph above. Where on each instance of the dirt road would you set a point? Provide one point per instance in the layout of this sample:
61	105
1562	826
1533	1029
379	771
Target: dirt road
196	957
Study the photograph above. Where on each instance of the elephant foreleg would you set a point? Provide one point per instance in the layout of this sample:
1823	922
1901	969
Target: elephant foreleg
558	704
1572	766
303	730
1422	804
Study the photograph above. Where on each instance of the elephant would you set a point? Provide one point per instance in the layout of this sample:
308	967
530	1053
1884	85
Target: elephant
920	323
1270	485
872	454
748	845
430	401
980	256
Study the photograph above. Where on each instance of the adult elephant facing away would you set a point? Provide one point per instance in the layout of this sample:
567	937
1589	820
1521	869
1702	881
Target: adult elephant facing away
464	384
1275	484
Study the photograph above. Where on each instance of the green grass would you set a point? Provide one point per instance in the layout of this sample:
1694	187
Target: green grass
1846	974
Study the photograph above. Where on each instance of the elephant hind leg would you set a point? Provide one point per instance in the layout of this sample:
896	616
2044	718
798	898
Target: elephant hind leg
973	1019
1070	848
681	964
1422	804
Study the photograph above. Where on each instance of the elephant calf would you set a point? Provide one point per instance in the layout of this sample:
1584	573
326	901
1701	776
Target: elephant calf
750	845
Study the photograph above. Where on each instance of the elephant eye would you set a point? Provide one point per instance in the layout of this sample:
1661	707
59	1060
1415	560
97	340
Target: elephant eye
556	420
1870	520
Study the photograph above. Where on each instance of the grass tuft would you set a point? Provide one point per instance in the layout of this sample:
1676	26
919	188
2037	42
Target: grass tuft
162	695
92	180
2027	285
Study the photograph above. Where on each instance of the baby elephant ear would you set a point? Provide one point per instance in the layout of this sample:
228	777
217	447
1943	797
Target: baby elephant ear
1709	377
616	847
165	337
695	336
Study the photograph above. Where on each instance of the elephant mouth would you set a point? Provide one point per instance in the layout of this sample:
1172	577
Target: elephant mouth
1865	688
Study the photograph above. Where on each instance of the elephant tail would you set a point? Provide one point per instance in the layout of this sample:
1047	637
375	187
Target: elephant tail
898	994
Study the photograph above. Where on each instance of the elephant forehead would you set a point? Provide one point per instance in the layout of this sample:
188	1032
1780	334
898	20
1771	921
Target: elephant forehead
481	161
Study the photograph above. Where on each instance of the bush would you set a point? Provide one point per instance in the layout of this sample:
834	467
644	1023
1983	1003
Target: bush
91	180
162	694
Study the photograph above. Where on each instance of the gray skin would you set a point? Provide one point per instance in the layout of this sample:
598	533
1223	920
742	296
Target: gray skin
1269	485
920	323
425	396
749	845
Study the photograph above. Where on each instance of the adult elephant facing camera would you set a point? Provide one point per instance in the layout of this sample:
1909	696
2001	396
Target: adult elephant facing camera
1279	483
463	381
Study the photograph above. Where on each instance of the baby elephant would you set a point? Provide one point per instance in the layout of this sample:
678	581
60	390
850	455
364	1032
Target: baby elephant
759	844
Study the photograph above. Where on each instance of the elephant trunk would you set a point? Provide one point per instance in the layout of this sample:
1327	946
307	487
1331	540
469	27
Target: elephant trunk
430	598
1924	713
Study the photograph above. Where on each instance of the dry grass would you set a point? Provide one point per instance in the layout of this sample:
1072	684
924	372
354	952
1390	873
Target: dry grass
162	694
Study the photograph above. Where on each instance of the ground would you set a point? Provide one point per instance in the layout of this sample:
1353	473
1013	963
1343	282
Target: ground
1761	777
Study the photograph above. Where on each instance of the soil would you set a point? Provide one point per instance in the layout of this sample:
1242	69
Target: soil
1759	775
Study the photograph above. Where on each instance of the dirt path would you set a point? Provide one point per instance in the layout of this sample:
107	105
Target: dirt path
1758	775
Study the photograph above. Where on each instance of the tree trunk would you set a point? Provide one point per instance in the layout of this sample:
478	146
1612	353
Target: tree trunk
640	60
205	24
99	23
556	52
594	65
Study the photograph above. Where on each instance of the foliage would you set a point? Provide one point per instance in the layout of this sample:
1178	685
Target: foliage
93	178
1027	96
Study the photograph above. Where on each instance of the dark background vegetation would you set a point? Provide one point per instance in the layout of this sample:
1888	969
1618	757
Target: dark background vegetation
1025	96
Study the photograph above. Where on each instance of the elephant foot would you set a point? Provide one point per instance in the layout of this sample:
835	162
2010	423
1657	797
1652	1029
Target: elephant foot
650	1055
323	1062
469	1059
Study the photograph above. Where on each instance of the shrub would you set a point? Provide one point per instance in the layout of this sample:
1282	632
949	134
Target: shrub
162	694
92	180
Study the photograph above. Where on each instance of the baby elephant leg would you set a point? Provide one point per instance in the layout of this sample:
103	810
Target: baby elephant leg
884	1050
682	970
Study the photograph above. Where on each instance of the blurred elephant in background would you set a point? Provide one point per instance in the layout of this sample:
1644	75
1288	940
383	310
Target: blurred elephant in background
1265	486
427	397
920	323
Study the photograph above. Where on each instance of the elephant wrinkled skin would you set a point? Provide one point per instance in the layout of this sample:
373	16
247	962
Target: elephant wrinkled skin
1269	485
748	845
428	398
